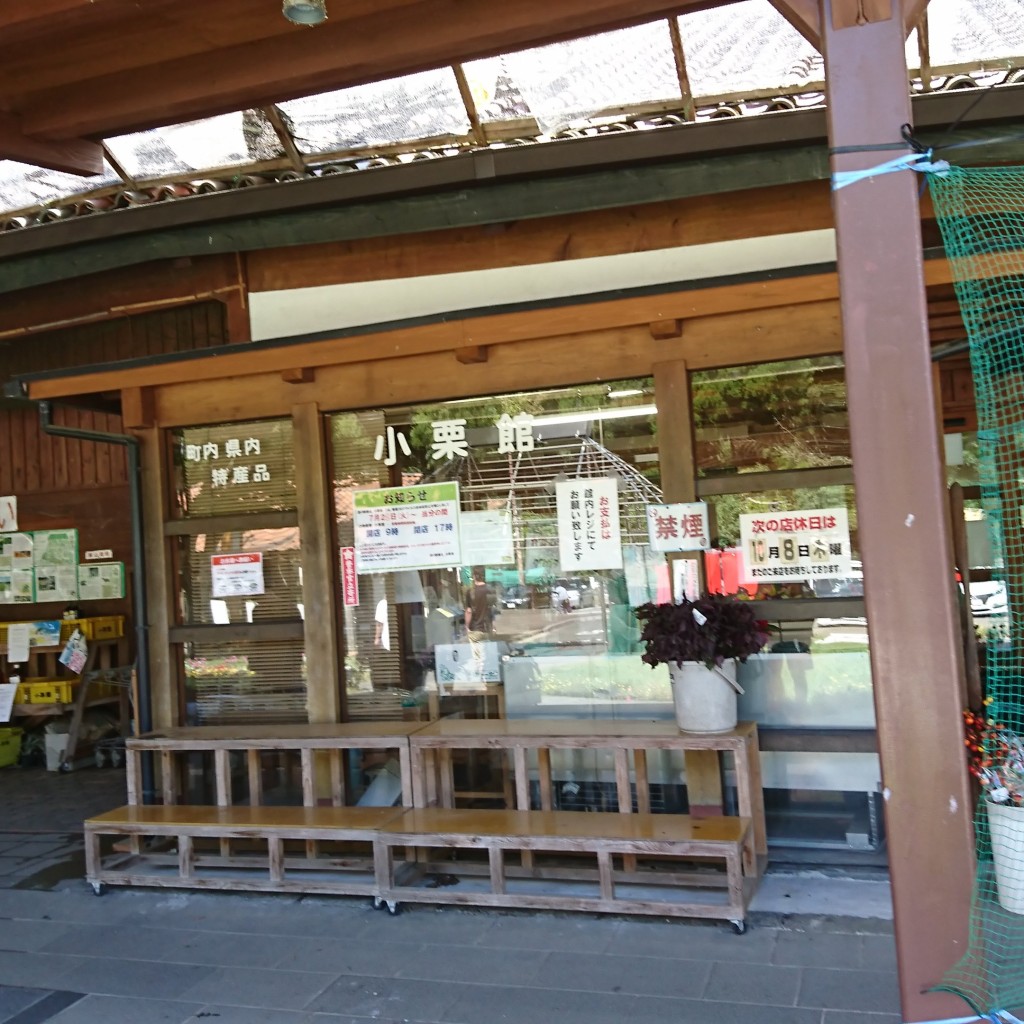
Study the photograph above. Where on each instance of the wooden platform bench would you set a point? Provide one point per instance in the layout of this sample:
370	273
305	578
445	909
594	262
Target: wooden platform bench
163	849
612	839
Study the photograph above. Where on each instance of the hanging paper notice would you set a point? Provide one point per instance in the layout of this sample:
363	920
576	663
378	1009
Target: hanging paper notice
795	546
23	589
238	575
8	513
17	642
407	528
678	527
685	580
349	578
487	538
101	582
7	693
75	653
589	536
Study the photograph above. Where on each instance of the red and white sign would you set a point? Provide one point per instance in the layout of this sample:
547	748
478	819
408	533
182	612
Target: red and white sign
349	578
801	546
238	575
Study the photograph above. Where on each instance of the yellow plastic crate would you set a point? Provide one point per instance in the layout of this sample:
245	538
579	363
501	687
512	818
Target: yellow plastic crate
10	746
45	691
101	627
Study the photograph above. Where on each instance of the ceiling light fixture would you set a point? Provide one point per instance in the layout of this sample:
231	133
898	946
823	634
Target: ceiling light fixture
305	12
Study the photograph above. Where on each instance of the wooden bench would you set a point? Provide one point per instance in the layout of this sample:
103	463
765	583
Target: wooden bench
266	828
606	836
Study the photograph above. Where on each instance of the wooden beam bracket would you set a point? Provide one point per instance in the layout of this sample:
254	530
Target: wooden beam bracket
662	330
299	375
72	156
472	354
851	13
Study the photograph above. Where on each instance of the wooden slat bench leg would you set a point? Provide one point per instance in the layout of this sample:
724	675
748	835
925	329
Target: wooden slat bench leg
625	795
337	774
254	768
222	776
168	778
92	855
309	795
186	858
734	873
383	866
544	772
522	794
604	869
496	857
275	858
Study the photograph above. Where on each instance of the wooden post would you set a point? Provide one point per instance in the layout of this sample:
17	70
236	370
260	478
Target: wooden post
316	526
916	658
678	483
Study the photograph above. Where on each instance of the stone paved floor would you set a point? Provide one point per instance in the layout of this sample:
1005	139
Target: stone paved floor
145	956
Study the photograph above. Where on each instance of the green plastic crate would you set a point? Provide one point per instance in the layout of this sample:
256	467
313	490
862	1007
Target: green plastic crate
10	746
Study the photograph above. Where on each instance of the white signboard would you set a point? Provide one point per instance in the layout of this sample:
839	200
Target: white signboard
589	536
238	575
8	513
413	527
7	692
465	665
795	546
679	527
487	538
18	634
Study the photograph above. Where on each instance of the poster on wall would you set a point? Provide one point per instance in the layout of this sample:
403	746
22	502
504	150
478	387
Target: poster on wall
56	583
23	589
414	527
55	547
8	513
101	581
487	538
682	526
6	588
801	546
19	549
589	536
238	575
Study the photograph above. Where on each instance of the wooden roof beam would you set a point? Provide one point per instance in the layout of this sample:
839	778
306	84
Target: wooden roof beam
340	53
74	156
913	12
14	15
803	16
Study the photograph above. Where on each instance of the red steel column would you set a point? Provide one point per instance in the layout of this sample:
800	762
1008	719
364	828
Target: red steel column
916	658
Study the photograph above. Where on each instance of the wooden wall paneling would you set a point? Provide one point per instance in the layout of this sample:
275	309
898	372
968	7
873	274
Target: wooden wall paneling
158	582
86	449
31	453
316	531
6	467
104	474
714	218
17	425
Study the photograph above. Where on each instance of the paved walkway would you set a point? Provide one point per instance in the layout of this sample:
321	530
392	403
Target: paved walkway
169	957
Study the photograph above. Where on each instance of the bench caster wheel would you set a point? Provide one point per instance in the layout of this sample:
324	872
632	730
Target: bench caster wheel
739	927
392	905
98	888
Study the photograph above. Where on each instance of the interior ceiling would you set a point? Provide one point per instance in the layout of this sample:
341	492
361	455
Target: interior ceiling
75	71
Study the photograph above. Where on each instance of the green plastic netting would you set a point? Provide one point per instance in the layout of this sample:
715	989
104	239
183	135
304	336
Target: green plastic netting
981	216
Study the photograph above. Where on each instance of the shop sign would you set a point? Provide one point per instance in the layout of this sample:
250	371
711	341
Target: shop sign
682	526
233	463
349	578
239	575
413	527
801	546
589	536
515	434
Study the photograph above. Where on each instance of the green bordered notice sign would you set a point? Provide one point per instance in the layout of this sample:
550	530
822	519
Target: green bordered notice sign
407	528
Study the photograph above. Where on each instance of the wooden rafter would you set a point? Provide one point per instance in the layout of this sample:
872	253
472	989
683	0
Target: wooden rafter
679	56
913	12
345	51
281	129
75	156
803	16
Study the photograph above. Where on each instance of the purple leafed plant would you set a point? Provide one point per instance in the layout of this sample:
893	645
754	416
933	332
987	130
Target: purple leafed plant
709	630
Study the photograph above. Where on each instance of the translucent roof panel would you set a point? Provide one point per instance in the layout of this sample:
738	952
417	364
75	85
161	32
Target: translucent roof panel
982	30
23	185
242	137
746	47
398	110
565	82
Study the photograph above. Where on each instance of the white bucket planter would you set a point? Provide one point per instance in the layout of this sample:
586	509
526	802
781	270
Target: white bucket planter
705	698
1006	825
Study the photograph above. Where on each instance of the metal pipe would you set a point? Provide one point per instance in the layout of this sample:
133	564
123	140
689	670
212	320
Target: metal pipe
139	605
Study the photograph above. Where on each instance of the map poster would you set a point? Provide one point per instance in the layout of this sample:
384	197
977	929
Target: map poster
413	527
55	547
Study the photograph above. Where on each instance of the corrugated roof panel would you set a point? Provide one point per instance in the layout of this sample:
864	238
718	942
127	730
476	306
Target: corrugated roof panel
986	30
24	185
565	82
746	47
412	107
242	137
